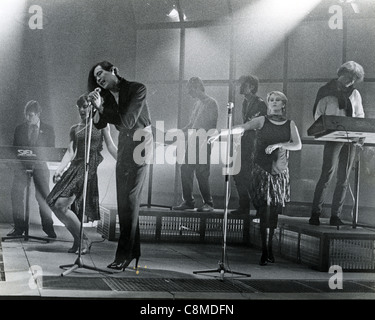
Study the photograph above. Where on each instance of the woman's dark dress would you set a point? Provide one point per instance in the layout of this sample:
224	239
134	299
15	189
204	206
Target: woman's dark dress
270	186
72	181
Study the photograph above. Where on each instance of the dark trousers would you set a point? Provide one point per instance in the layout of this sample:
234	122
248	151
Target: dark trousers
40	178
130	178
243	178
340	156
202	173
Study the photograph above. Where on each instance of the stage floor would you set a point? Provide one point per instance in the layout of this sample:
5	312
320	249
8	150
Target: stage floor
166	271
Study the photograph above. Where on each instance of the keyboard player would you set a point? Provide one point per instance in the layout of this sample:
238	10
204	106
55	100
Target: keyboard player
339	98
32	133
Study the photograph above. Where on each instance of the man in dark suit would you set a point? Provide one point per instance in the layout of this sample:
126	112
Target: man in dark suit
124	105
32	133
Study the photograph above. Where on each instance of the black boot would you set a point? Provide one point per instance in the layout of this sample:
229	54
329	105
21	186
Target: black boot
314	219
270	257
263	258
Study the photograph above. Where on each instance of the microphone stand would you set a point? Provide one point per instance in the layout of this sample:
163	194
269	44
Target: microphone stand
222	269
79	262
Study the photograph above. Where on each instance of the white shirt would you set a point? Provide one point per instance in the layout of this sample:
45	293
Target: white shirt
330	106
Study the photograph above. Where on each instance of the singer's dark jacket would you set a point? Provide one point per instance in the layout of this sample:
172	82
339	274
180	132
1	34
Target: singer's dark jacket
130	114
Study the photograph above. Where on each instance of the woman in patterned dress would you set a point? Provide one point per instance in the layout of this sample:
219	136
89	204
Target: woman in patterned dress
270	185
66	198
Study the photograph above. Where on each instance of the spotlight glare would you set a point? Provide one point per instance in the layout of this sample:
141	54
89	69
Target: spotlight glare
355	7
173	14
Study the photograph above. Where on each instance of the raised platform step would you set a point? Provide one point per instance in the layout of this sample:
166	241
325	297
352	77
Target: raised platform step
353	249
157	224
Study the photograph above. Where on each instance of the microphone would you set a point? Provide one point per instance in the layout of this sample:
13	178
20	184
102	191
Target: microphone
98	90
230	106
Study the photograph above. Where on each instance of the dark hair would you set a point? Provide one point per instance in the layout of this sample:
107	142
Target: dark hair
252	81
196	83
32	106
91	82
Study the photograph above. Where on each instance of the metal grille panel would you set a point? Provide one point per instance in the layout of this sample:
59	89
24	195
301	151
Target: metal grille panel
352	254
202	285
289	244
2	271
177	227
153	285
309	249
180	229
147	227
281	286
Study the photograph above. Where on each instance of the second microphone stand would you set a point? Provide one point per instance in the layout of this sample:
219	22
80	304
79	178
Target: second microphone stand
222	269
79	262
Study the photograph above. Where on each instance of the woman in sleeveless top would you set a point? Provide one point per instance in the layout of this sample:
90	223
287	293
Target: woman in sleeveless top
66	198
270	185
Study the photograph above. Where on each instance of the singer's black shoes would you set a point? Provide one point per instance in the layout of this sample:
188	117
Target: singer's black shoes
113	265
126	263
270	256
263	259
122	265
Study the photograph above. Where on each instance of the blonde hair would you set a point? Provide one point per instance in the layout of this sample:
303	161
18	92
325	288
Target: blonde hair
354	69
281	95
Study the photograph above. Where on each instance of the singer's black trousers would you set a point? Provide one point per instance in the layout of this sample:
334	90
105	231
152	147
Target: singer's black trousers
130	177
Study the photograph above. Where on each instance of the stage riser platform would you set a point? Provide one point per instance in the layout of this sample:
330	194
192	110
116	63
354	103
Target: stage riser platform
323	246
319	247
172	226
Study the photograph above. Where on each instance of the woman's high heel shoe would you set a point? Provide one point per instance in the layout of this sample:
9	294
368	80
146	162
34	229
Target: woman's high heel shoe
74	248
86	247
